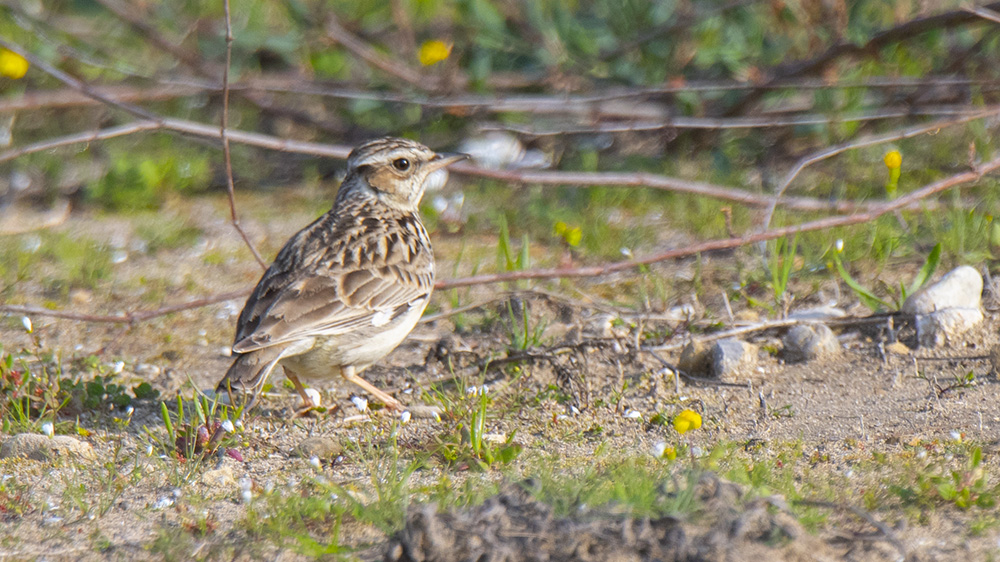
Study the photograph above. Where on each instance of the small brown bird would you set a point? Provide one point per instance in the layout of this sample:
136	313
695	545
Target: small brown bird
348	288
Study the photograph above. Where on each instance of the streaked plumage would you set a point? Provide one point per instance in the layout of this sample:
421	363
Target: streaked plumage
348	288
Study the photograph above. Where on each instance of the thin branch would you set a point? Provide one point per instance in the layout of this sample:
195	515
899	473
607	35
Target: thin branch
127	318
230	187
761	122
863	142
593	271
367	53
721	244
340	152
985	13
899	33
77	84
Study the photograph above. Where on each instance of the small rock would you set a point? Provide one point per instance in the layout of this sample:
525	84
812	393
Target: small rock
219	478
806	342
936	329
948	308
961	287
322	447
43	448
730	357
695	358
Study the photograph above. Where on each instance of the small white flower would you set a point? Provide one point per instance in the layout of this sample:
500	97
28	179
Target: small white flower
627	252
697	451
404	417
957	436
360	403
117	367
659	449
239	424
840	245
129	411
228	426
484	389
314	462
314	396
922	454
47	429
472	391
149	449
246	489
26	322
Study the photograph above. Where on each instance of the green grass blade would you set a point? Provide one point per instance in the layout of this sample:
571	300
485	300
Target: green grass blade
866	296
927	270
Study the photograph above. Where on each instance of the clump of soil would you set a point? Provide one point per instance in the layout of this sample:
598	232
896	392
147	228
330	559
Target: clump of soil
513	526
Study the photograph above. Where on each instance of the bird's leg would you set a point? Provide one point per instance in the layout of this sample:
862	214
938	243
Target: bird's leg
307	403
351	375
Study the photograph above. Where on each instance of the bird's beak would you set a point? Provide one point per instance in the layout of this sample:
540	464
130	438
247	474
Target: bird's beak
443	160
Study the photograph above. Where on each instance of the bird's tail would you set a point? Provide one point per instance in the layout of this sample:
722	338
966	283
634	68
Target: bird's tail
250	370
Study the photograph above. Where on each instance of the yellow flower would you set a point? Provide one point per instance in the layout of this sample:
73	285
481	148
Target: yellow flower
433	52
12	64
686	421
573	236
893	159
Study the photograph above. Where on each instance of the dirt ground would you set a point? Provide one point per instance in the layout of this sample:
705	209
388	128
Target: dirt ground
842	408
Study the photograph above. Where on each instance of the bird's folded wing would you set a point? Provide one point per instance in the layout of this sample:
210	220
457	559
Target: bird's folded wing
328	305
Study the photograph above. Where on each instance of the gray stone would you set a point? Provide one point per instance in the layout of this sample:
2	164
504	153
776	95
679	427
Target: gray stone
322	447
938	328
806	342
43	448
732	357
696	358
961	287
948	308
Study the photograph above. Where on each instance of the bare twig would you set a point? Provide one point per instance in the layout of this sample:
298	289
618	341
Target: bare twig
720	244
77	84
899	33
863	142
625	179
985	12
963	114
367	53
230	187
598	270
126	318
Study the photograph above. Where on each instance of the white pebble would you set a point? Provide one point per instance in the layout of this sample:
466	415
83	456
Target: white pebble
314	461
360	403
26	322
632	414
314	396
48	429
404	417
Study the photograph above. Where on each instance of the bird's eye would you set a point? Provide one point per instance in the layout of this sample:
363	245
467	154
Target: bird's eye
401	164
